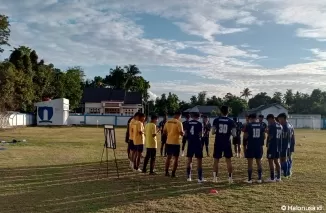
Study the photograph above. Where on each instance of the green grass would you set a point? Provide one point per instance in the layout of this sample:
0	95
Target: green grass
56	170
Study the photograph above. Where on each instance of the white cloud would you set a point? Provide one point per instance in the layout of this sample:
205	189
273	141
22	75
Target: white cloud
152	96
99	33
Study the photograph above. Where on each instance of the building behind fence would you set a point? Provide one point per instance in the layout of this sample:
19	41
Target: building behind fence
16	119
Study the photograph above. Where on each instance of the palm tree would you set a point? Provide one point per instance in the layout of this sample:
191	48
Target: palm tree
246	93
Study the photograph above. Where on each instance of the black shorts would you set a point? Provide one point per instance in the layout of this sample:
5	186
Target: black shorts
292	147
205	141
273	154
256	152
222	150
139	148
184	139
131	145
195	150
172	150
151	152
236	141
284	153
163	138
244	142
127	137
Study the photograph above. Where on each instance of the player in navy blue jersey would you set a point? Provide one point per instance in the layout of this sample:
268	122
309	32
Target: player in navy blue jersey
286	143
184	138
223	128
264	128
273	147
163	135
206	130
254	149
195	146
291	151
237	139
244	140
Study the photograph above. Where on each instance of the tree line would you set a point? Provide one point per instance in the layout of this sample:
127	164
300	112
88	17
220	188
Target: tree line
25	78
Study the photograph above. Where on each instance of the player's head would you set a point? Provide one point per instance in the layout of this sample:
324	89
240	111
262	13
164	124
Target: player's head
136	115
195	115
282	118
235	119
154	119
205	118
177	115
224	110
252	117
141	117
261	118
187	116
270	118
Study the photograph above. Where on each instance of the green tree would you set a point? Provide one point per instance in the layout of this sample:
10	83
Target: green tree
72	80
259	99
246	93
277	97
4	31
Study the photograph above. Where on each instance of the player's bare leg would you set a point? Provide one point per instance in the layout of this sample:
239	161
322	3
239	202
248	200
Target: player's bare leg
175	165
230	169
167	165
189	168
259	170
278	169
272	171
215	169
200	170
250	162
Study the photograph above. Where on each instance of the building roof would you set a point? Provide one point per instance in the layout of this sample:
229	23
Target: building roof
202	109
261	108
97	95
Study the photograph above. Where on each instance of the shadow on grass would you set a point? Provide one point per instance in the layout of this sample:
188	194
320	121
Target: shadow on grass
77	188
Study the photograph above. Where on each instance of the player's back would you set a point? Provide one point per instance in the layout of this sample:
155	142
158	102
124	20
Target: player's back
185	125
223	126
150	140
275	136
254	131
194	132
286	135
173	127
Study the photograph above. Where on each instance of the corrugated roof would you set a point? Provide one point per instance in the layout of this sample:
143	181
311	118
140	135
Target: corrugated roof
202	109
96	95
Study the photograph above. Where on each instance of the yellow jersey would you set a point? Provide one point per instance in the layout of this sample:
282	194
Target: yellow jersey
138	133
130	129
150	140
173	127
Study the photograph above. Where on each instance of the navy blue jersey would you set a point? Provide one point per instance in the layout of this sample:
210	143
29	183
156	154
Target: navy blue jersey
292	139
238	126
286	136
185	125
223	127
194	132
274	137
255	131
264	127
206	129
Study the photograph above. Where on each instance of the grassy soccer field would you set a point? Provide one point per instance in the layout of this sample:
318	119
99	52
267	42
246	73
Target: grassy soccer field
56	171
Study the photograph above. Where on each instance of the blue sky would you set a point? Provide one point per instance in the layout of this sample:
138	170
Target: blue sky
182	46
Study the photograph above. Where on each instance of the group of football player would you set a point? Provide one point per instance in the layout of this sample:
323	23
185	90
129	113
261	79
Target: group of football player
278	134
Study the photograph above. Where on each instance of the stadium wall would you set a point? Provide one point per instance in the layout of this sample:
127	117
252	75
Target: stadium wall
298	121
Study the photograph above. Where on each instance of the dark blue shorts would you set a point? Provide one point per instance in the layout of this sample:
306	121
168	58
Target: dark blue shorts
256	152
172	150
131	145
196	151
292	147
139	148
222	150
273	154
184	139
163	138
236	141
205	141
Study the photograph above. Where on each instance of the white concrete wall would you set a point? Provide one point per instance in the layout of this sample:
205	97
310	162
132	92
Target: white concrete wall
21	119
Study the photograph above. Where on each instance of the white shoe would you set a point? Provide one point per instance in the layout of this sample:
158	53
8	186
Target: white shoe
189	179
248	181
278	180
201	181
214	179
259	181
139	170
183	154
230	180
270	180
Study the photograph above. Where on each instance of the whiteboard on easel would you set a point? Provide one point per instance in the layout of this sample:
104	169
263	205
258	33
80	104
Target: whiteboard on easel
109	135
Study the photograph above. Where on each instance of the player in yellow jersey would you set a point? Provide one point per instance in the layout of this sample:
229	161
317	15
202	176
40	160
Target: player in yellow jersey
139	139
150	144
131	146
173	129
